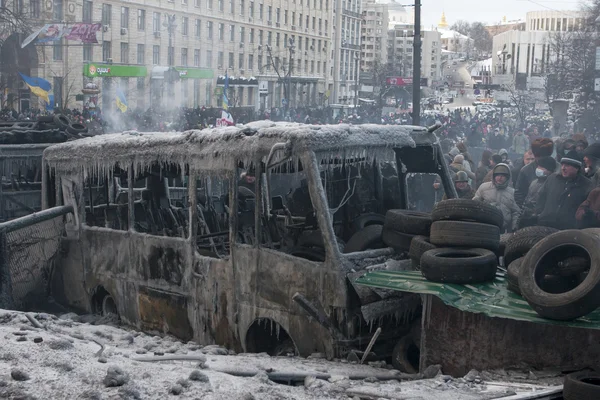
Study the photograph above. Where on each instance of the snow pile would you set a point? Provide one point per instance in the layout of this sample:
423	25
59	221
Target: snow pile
64	359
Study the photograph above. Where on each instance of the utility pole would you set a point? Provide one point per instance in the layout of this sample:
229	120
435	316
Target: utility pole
291	50
416	110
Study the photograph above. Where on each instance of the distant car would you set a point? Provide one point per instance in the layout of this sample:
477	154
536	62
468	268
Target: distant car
468	84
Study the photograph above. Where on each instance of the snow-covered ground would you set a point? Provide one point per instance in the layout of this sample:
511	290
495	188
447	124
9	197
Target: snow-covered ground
64	358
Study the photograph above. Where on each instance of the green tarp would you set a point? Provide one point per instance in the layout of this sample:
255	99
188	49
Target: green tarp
492	299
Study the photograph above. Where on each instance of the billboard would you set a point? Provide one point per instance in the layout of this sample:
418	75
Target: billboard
400	81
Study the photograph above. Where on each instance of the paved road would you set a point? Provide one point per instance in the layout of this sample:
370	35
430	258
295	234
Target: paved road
459	73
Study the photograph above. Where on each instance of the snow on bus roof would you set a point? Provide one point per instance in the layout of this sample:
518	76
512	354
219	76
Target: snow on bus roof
219	148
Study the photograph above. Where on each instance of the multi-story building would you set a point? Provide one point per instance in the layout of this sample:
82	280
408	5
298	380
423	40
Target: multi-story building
267	47
374	35
345	52
519	55
400	52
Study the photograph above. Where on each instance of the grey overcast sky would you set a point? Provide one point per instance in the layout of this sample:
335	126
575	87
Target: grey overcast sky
488	11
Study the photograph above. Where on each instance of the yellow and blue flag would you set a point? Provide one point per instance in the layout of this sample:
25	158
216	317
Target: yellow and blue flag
225	89
38	86
121	101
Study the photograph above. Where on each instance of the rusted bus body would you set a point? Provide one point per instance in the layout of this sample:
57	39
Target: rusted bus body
240	292
20	179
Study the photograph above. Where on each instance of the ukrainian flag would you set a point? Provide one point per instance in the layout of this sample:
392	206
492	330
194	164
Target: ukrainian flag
120	99
38	86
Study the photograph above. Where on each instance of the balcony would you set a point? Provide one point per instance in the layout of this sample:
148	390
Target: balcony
351	13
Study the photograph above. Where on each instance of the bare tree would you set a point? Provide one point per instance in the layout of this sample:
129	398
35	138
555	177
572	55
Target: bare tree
523	100
67	92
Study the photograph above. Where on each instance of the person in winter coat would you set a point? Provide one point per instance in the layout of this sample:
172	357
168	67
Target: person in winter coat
520	143
496	159
483	168
563	193
462	147
504	154
542	147
546	167
588	213
499	193
520	163
459	165
463	189
591	159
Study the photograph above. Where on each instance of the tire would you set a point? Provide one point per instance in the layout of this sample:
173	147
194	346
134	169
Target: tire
285	349
465	234
109	307
365	220
450	265
61	121
401	359
399	241
46	118
405	221
365	239
569	266
503	240
467	210
582	385
523	240
574	303
76	128
418	246
512	275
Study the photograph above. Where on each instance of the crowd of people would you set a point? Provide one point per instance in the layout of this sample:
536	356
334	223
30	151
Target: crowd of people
554	183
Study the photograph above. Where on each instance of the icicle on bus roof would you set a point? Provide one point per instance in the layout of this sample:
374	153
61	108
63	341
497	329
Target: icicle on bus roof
217	149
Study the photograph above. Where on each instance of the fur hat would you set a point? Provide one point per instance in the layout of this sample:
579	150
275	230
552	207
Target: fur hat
542	147
497	158
547	162
580	138
462	147
459	158
572	158
454	151
593	150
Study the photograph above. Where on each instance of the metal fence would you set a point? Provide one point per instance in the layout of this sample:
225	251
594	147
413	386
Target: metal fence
28	249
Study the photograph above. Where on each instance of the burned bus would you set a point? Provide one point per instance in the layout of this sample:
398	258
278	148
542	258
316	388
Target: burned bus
237	236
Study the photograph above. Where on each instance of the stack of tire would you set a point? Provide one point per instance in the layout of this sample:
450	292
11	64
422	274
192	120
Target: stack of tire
582	385
463	243
61	122
559	274
47	129
402	227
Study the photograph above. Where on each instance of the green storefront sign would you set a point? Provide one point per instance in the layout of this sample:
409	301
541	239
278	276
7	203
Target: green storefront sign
195	73
111	71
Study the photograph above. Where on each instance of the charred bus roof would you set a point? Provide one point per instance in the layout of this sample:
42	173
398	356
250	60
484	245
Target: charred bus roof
217	149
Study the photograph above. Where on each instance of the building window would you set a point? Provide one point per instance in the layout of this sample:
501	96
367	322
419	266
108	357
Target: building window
242	7
184	2
220	3
242	35
171	55
140	54
278	15
87	52
106	50
125	53
261	9
86	15
231	61
209	4
196	57
277	36
57	51
156	22
270	13
251	9
210	29
198	28
250	61
260	37
185	26
124	17
221	31
208	63
106	14
58	14
231	7
184	57
241	61
259	59
269	37
251	38
156	54
250	96
196	3
220	60
141	20
232	33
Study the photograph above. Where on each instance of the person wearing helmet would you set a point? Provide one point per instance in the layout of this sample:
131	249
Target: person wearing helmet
461	183
499	193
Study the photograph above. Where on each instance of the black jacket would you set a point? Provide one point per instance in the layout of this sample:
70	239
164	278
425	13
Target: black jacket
526	176
559	200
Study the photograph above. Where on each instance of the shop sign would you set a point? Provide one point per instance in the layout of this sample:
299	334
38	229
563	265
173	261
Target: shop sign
110	70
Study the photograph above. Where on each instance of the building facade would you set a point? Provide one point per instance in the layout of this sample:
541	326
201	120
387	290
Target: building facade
374	35
345	52
522	56
277	52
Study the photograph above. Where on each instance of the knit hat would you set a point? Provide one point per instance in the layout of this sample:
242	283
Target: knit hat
461	176
593	150
547	162
542	147
458	159
572	158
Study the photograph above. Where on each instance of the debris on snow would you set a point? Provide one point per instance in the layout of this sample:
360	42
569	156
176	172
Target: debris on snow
198	376
115	376
19	375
